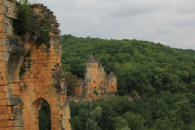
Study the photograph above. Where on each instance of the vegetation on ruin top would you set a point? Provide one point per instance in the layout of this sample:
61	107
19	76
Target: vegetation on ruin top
31	26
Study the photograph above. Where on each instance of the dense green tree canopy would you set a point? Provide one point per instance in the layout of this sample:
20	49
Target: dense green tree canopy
140	65
156	82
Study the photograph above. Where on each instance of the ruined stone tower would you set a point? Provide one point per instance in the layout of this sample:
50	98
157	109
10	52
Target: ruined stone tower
29	74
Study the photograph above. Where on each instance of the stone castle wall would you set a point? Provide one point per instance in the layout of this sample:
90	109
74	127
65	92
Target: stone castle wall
29	74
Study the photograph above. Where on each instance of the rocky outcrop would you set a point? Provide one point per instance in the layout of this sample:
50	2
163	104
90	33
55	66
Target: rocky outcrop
29	73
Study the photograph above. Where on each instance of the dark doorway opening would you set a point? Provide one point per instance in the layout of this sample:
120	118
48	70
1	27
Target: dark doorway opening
45	116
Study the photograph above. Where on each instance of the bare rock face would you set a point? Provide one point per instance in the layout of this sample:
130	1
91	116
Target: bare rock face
30	73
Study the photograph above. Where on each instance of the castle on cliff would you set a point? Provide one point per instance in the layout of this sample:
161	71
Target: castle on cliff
96	83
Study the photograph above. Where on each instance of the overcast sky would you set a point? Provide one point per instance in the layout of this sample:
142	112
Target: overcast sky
170	22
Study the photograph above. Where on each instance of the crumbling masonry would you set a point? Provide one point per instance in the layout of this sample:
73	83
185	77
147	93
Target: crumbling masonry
29	74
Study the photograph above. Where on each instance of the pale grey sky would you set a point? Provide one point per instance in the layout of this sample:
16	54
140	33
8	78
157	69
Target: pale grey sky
170	22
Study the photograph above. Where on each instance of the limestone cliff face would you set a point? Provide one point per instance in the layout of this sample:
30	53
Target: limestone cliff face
30	73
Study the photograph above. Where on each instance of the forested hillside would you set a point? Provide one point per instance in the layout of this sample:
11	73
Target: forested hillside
157	84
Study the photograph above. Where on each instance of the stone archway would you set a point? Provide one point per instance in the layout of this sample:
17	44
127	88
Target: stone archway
42	114
32	106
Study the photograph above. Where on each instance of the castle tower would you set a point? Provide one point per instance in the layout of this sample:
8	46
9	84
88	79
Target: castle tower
91	71
112	83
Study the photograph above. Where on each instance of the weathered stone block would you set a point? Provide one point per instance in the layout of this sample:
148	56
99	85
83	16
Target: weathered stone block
6	124
4	117
3	109
2	9
3	82
3	42
3	101
2	89
4	57
3	94
1	48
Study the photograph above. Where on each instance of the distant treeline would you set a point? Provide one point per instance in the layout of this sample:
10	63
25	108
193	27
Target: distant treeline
160	80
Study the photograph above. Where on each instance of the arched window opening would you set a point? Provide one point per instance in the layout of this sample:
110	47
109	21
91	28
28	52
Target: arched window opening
44	116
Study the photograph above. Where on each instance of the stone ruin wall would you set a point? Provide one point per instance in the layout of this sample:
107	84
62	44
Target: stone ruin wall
29	74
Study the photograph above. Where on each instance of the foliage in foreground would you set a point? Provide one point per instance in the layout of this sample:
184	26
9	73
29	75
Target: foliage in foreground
161	112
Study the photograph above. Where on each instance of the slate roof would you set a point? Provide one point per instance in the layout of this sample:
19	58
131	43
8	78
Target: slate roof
91	59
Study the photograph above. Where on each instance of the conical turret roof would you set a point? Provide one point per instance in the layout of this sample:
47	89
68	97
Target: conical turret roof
91	59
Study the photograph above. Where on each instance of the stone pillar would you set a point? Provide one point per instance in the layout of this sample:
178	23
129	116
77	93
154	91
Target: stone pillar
5	110
67	115
10	115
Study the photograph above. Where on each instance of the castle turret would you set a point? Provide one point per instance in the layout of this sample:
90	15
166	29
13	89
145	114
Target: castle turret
91	70
112	83
101	72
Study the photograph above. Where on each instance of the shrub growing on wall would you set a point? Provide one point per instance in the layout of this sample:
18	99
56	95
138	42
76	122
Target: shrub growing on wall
32	27
24	13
